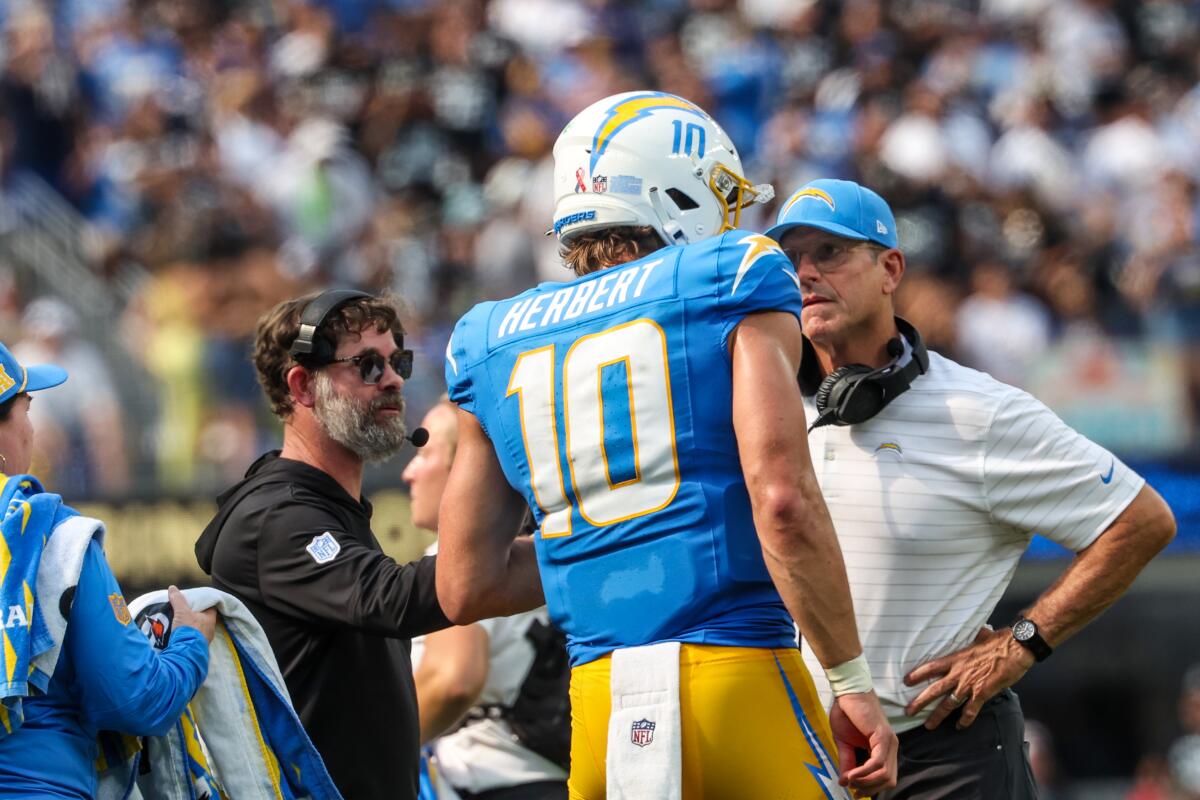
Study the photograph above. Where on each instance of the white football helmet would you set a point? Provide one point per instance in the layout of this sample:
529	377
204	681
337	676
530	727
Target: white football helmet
649	158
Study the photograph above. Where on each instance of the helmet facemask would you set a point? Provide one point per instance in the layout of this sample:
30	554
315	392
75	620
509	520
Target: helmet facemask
734	193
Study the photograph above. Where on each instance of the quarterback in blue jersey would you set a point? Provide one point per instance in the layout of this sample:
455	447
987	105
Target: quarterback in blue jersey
647	412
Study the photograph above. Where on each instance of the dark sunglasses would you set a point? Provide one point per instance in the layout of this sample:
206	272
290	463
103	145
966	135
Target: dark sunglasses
371	365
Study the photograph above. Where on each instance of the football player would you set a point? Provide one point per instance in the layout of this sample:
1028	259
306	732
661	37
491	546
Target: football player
648	411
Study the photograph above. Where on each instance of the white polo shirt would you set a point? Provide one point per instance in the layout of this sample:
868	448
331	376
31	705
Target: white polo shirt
934	501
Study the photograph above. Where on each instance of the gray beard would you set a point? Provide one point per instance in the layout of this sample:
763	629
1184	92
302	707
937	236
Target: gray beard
354	427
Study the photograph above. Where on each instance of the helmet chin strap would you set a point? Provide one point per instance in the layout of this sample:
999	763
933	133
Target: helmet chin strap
670	228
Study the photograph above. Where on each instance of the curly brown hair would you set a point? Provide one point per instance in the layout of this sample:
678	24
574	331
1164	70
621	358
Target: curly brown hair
279	327
589	252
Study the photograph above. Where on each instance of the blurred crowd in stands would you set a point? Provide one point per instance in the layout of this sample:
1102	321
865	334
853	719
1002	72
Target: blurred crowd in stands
1043	160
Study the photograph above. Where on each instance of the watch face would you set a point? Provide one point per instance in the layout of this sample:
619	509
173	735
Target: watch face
1024	630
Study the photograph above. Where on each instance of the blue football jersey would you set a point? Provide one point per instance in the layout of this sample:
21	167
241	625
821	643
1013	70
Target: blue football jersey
609	402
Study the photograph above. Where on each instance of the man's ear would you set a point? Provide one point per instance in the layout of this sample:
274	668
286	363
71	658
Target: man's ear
893	267
301	385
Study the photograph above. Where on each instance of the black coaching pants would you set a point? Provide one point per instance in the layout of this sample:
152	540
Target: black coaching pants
987	761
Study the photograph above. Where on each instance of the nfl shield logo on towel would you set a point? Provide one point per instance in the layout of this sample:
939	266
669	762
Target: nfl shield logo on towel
642	732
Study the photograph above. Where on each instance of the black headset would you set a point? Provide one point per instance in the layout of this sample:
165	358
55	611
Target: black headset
855	392
308	349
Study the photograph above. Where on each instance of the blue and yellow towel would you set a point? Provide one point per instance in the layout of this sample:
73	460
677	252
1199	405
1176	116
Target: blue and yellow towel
240	737
29	646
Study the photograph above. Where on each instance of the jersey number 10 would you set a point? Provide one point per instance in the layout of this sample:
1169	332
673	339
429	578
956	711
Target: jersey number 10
641	346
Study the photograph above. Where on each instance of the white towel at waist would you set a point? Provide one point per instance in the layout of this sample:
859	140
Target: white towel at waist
644	731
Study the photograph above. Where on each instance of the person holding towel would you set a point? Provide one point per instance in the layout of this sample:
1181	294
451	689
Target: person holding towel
72	663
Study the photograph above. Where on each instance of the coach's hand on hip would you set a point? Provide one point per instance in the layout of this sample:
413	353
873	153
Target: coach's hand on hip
969	677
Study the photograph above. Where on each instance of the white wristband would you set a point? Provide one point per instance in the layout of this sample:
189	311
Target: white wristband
851	677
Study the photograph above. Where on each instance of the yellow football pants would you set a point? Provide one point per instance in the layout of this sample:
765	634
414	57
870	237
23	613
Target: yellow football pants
752	727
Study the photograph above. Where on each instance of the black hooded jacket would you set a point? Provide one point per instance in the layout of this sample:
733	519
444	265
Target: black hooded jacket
299	552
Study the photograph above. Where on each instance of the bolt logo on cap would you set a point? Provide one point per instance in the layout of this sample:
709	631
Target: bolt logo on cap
809	192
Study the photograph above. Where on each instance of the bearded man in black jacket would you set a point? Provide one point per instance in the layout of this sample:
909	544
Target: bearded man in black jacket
293	540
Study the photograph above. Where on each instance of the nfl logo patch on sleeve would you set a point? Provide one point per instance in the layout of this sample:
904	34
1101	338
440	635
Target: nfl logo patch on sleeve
120	610
323	548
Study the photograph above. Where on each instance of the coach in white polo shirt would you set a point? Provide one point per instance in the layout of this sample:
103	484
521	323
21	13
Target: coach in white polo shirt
936	477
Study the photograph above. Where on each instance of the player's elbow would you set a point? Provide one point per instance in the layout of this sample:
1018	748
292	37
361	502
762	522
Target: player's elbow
455	603
792	525
781	507
466	613
462	601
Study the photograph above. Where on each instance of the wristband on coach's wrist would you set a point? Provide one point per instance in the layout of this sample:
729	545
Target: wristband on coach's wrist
850	677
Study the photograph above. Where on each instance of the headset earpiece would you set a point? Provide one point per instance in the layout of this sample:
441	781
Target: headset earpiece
308	348
850	393
855	392
837	382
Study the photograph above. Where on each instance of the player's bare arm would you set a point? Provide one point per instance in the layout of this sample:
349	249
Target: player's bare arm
798	540
483	570
450	677
1095	579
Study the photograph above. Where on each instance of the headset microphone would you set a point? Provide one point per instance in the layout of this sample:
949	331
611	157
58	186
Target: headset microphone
419	437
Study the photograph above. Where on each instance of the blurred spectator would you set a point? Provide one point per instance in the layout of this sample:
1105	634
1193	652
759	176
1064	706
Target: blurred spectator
10	301
1126	148
1152	780
1183	757
81	435
163	332
1184	763
1042	760
1000	331
1085	44
540	26
915	144
37	93
322	194
1027	155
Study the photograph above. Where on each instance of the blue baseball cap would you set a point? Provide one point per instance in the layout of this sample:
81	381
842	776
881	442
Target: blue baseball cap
15	379
841	207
